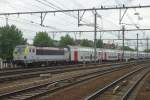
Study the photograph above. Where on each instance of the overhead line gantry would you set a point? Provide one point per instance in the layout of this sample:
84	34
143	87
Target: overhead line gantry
83	31
43	13
76	10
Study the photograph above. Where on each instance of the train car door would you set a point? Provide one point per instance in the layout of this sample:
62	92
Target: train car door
75	55
100	56
67	54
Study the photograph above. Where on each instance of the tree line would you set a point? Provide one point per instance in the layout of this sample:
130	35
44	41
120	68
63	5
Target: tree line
42	39
11	36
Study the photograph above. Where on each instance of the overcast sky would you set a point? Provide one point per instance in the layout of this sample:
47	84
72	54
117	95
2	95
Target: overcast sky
29	24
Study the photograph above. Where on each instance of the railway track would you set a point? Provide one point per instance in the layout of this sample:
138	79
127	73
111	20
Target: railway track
142	90
25	70
34	72
130	90
42	89
121	88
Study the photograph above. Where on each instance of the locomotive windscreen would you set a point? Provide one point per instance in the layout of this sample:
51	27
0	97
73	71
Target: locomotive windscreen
19	49
49	52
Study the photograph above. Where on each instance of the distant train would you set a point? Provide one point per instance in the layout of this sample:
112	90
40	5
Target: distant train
30	55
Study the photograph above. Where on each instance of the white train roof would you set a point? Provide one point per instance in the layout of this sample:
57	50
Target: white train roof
81	48
30	46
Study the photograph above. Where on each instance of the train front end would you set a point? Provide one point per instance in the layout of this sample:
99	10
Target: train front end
20	54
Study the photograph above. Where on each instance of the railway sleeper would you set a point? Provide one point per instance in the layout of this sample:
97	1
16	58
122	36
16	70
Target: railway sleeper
71	80
47	75
52	85
118	87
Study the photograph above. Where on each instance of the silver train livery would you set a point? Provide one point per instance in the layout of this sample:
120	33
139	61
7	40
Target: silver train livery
25	54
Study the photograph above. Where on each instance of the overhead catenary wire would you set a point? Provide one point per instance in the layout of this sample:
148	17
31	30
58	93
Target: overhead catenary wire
75	10
106	8
30	21
34	23
54	7
33	15
33	5
57	8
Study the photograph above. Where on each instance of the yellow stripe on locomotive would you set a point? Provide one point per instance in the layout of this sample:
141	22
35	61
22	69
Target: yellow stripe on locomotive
26	51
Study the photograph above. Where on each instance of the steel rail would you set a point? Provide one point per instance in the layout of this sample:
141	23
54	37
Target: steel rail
31	74
80	81
130	90
21	70
99	92
95	74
